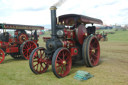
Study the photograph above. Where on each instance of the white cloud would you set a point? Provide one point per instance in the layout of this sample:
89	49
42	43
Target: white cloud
36	12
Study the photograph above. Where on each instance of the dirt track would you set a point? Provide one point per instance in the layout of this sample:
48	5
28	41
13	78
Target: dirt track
114	63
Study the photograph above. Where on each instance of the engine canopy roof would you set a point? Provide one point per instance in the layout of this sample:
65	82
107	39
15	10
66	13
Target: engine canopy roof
17	26
71	19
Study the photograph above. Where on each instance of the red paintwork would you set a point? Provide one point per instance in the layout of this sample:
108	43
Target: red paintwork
82	33
16	32
62	69
2	55
69	34
14	43
74	51
46	38
68	43
94	56
21	36
99	36
40	63
12	50
35	41
28	47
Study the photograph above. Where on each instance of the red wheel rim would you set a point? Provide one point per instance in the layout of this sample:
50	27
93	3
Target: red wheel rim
39	61
28	48
2	56
94	51
63	62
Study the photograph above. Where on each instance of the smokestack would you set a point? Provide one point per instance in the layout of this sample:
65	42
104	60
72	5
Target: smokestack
53	21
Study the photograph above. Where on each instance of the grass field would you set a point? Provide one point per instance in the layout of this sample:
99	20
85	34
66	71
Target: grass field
112	69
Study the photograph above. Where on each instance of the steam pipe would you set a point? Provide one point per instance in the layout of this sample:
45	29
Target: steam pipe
53	21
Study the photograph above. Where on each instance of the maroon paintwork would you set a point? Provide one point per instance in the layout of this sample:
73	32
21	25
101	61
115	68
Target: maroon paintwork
70	19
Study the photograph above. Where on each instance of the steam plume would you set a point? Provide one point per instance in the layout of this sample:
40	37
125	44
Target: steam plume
59	3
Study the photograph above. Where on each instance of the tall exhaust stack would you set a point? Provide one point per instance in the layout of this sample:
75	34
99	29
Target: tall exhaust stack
53	21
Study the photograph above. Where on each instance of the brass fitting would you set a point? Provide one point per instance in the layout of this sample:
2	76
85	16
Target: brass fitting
53	8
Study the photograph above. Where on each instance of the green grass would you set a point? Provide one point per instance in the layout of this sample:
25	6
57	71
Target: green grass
119	36
107	30
112	69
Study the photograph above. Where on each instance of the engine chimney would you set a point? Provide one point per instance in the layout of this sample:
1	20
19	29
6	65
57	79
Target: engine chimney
53	21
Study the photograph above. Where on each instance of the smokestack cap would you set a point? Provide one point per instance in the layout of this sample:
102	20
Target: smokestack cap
53	8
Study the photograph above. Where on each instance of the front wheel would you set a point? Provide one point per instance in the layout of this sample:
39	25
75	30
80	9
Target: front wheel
61	62
2	55
91	51
38	62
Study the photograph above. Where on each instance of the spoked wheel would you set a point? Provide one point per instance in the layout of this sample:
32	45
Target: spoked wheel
26	48
91	51
2	55
16	55
38	62
61	62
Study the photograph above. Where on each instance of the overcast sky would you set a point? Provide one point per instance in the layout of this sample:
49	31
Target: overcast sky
36	12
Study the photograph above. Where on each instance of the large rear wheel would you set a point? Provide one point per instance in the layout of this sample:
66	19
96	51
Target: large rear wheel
61	62
26	48
38	62
91	51
2	55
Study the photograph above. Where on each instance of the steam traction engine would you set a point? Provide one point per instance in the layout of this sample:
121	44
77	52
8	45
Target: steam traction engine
70	40
16	41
